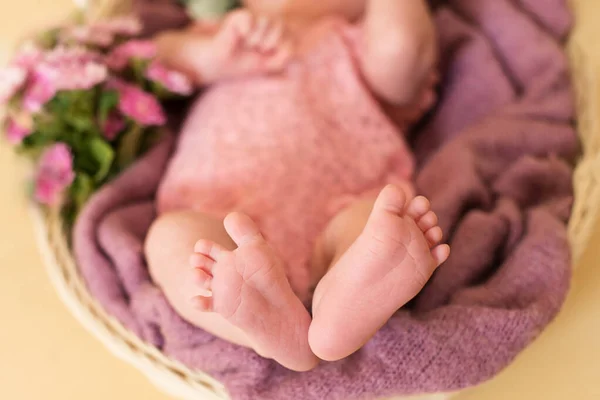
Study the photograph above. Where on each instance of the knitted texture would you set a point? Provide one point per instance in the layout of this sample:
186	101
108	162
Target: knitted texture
495	158
288	150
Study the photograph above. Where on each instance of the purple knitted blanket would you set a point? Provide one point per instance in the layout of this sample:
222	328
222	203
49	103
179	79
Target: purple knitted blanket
495	158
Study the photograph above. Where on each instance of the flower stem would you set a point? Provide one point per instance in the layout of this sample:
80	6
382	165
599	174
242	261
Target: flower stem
130	146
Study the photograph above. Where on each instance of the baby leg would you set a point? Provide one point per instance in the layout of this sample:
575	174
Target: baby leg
234	285
383	252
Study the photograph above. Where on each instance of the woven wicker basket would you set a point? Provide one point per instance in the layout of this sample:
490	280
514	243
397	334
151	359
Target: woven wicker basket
178	380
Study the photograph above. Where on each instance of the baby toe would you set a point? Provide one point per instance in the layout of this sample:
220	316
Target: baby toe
434	236
209	249
202	278
198	260
242	229
427	221
391	199
418	207
441	253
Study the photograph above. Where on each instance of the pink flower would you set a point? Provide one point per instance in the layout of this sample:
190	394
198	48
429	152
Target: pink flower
70	55
81	76
62	69
28	56
11	81
40	90
139	105
87	34
55	174
140	49
75	68
173	81
125	26
16	130
113	126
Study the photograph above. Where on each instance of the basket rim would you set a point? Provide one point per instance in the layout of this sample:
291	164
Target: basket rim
170	376
176	379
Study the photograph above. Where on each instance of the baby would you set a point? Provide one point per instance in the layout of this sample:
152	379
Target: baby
292	177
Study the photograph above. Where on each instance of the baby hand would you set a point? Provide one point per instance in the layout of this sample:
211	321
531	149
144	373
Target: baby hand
240	45
248	45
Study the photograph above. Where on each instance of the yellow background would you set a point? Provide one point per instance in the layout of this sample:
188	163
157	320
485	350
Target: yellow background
46	354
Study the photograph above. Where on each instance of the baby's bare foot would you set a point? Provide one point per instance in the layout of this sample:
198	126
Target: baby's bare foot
387	265
248	287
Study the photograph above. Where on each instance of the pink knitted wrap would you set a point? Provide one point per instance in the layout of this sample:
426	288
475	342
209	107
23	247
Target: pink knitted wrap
288	150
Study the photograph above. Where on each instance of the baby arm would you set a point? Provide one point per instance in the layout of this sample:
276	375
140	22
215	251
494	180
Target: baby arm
400	49
239	45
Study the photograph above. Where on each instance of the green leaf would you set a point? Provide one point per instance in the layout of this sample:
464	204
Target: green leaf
49	39
108	101
85	102
79	192
73	109
139	66
129	146
103	154
60	104
31	152
81	123
159	90
69	214
81	189
36	141
200	9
